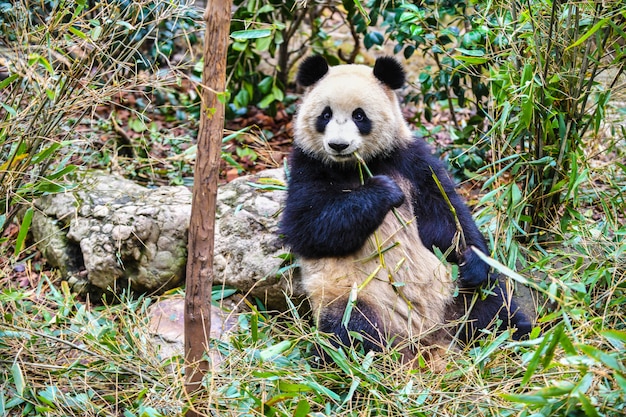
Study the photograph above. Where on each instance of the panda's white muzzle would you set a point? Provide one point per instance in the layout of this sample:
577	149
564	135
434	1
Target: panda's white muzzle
341	139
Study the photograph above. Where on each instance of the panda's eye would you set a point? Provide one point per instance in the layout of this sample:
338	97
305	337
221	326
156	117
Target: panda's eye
362	122
358	115
323	119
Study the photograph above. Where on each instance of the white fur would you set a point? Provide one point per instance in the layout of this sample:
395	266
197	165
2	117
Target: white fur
345	88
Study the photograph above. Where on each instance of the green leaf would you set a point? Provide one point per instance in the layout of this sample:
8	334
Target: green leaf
323	390
587	406
285	386
274	350
61	172
77	32
471	52
503	268
137	125
302	409
278	93
263	44
486	351
45	153
242	35
373	38
525	399
527	74
96	32
266	85
266	101
347	313
362	12
9	109
472	60
18	379
8	80
21	236
606	358
558	389
49	395
589	33
220	292
617	338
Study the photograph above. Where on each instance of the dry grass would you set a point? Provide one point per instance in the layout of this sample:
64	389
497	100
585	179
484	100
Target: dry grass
60	65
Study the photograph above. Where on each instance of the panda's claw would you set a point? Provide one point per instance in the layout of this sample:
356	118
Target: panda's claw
473	270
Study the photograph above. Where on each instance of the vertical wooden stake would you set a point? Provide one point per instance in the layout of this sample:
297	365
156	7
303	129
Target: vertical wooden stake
202	223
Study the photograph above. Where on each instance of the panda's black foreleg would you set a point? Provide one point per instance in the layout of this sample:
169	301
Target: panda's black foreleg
438	226
324	219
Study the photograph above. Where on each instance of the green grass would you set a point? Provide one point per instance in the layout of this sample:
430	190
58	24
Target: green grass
63	356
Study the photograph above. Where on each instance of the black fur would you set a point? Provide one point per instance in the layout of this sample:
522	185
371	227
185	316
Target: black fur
311	70
323	119
329	213
390	72
362	320
483	313
362	122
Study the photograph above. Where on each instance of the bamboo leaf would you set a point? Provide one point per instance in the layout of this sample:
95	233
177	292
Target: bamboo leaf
21	236
18	379
589	33
302	409
242	35
8	80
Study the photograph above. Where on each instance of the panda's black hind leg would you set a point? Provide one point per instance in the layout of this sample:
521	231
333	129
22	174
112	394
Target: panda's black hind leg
486	313
363	321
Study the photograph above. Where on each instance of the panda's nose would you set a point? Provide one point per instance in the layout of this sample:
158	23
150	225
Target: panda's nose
336	146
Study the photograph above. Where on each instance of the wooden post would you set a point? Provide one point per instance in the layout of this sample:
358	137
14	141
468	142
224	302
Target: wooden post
202	223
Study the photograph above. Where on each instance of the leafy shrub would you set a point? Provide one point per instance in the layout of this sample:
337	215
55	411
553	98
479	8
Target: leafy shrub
273	35
63	58
529	74
547	100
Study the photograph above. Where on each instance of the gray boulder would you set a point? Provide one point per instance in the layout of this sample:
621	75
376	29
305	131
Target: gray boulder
249	254
111	234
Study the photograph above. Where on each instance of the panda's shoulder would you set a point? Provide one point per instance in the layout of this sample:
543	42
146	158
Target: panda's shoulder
416	155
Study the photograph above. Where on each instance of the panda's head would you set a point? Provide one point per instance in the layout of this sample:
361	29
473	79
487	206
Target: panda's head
350	108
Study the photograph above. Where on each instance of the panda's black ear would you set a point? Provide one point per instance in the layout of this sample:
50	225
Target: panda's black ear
390	72
311	70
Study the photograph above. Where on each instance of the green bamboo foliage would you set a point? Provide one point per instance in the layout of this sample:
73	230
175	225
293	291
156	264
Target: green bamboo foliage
557	65
62	60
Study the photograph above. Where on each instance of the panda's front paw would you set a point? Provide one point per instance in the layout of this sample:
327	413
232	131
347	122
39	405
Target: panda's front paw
393	193
473	270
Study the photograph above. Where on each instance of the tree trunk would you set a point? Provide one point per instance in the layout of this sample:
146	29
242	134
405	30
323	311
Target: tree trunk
202	224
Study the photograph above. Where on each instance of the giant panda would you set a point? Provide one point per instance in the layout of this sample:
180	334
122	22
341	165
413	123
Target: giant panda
364	215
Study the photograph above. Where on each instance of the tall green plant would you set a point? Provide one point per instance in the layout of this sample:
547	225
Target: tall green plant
268	38
547	99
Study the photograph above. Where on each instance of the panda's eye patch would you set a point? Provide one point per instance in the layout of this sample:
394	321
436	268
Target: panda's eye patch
323	119
362	122
358	115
